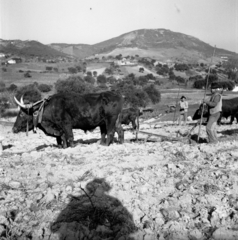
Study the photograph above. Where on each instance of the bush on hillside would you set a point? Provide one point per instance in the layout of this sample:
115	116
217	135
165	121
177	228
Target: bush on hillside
134	96
72	70
89	79
12	88
199	84
27	75
180	79
44	87
142	80
101	79
181	67
95	73
73	84
48	68
29	92
153	93
111	80
89	73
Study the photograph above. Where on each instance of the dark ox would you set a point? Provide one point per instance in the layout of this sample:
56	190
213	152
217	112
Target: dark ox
62	113
131	115
229	109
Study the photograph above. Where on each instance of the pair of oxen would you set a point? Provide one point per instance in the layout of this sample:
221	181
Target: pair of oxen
59	114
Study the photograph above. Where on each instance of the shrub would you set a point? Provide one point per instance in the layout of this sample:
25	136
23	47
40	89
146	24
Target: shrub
101	79
89	79
4	69
27	75
199	84
142	80
133	96
48	68
111	80
72	70
180	79
153	93
44	87
30	92
12	88
108	71
181	67
73	84
89	74
95	73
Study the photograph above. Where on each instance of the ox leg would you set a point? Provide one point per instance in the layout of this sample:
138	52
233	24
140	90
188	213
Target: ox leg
68	133
232	119
103	130
112	124
120	132
64	141
59	141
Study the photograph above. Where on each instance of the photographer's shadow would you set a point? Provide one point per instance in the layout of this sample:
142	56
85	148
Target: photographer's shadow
94	215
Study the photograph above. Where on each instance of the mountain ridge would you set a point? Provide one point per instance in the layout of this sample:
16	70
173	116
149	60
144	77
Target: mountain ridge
158	43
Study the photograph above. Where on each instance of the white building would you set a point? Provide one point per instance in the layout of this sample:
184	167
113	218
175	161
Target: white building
11	61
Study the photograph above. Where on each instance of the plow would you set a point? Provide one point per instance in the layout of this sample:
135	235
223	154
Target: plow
185	137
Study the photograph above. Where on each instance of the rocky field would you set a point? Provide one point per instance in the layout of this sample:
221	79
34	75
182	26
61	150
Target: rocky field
155	189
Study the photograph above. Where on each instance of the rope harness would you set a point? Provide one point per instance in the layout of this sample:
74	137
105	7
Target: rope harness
37	115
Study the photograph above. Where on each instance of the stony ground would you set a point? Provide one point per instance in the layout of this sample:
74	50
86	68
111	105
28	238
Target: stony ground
158	189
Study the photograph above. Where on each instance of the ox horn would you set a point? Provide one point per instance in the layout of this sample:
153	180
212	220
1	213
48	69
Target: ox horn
21	100
21	104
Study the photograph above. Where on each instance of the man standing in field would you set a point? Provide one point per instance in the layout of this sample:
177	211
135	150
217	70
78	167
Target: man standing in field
215	108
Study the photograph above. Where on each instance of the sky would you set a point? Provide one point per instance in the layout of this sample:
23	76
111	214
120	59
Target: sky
92	21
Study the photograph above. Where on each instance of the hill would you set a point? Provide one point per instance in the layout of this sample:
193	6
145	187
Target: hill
29	49
77	50
161	44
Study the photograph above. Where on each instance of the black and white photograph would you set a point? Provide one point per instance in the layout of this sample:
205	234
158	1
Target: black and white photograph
118	120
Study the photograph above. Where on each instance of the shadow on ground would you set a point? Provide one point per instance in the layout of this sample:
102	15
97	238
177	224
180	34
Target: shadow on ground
94	215
229	132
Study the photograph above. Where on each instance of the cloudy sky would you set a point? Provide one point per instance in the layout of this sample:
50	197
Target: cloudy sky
92	21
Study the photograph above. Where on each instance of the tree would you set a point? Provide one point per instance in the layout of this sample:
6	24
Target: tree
141	69
72	70
108	71
95	73
89	79
153	93
101	79
73	84
89	74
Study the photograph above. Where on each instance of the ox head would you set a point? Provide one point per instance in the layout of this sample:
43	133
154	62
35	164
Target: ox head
197	115
24	117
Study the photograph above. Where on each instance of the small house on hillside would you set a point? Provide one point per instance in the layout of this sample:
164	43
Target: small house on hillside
11	61
125	62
